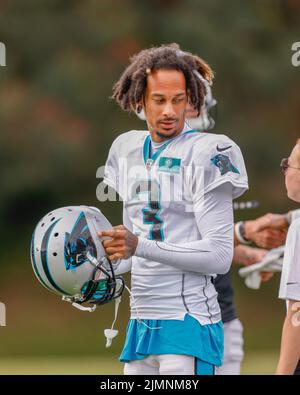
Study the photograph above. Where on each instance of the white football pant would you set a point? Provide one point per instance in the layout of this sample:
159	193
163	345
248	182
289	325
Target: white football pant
167	364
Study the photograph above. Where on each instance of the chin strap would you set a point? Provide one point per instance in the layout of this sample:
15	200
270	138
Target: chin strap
111	333
82	308
79	306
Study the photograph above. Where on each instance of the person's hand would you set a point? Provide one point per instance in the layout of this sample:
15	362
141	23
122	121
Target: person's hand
246	256
268	231
122	244
269	238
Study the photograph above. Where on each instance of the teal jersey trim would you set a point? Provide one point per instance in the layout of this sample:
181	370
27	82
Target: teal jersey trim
147	150
147	147
186	337
192	131
151	213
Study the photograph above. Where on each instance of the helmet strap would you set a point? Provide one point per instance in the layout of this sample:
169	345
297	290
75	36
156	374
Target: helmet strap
83	308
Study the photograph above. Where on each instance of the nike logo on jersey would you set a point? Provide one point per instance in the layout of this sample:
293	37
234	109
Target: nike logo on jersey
223	149
291	283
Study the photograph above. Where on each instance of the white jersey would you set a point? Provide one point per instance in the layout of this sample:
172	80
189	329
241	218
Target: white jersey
162	195
290	277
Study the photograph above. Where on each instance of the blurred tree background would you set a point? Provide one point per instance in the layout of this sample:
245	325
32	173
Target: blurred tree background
57	123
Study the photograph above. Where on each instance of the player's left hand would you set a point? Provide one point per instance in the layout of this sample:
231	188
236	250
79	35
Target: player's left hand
122	245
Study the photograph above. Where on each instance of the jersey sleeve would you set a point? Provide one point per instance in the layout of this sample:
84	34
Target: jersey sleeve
210	255
218	162
111	171
290	277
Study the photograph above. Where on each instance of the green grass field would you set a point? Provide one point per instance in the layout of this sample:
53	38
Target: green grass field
255	363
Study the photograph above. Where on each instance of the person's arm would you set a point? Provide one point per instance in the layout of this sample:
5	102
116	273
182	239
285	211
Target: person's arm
268	231
125	264
290	291
290	341
212	254
215	179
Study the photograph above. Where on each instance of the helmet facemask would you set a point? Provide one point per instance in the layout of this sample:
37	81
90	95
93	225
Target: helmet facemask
104	286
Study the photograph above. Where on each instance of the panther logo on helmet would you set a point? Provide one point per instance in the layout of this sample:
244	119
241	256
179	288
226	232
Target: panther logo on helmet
78	243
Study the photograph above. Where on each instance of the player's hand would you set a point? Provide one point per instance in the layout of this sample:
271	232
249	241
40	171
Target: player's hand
122	244
268	231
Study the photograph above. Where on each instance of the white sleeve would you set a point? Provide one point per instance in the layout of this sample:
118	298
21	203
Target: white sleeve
220	161
125	264
211	255
111	172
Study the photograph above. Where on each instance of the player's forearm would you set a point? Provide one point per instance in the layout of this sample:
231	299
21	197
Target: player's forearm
210	255
202	256
290	344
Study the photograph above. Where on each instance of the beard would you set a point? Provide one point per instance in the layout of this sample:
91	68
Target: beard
164	137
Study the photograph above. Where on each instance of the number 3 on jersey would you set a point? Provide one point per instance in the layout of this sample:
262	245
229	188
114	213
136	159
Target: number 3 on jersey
150	214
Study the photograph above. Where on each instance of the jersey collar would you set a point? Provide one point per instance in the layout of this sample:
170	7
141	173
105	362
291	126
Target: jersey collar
147	144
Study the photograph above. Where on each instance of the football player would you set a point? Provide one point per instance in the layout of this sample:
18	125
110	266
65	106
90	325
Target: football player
177	187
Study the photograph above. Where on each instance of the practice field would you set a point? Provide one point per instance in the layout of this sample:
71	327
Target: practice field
255	363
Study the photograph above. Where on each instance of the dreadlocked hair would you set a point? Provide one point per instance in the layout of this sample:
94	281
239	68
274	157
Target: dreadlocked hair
130	89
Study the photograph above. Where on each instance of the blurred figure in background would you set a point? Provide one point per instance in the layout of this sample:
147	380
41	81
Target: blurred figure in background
290	278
